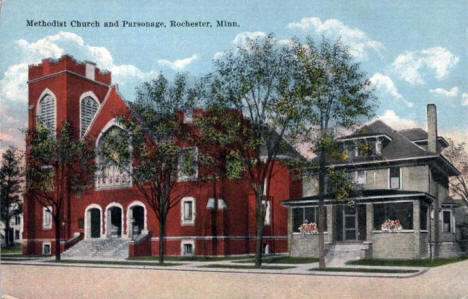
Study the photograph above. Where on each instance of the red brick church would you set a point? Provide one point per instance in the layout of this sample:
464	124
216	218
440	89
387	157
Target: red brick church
112	217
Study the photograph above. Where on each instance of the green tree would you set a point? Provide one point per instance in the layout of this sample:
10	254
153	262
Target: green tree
57	167
11	179
257	79
155	146
336	95
457	155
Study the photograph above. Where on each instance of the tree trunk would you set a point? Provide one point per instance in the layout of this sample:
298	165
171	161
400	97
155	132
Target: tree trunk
259	237
7	232
321	223
162	239
57	239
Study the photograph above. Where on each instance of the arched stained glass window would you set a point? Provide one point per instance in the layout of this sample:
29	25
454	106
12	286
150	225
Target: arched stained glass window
89	107
46	113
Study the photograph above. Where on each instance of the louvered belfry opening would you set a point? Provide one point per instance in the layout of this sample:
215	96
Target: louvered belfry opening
46	113
89	107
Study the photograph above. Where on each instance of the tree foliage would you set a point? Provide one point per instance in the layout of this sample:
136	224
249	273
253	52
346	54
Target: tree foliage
58	166
458	156
335	95
11	180
155	145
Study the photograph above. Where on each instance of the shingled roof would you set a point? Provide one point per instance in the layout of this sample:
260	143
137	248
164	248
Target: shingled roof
399	147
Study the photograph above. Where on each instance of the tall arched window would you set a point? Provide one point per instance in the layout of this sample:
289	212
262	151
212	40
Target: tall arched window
89	107
109	175
46	114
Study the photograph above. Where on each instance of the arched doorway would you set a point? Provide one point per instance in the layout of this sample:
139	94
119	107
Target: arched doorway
114	222
138	218
93	221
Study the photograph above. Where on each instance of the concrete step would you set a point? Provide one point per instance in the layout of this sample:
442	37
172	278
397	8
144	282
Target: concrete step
95	248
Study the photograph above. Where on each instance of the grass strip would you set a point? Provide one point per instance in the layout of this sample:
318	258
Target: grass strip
408	263
190	258
245	267
115	263
284	260
365	270
11	251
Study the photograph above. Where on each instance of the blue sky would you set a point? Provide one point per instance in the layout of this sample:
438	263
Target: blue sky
414	52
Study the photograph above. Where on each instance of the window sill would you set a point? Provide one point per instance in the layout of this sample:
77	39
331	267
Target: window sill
191	223
393	232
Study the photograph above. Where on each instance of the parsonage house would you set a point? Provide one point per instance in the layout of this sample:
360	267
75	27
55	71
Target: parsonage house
401	206
112	219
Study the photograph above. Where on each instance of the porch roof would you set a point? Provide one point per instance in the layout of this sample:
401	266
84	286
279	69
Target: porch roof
362	196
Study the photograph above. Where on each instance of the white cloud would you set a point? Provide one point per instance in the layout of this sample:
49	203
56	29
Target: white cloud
242	38
384	84
465	99
410	64
448	93
358	42
13	87
178	64
396	122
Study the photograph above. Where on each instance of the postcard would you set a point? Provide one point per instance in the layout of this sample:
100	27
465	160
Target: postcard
234	149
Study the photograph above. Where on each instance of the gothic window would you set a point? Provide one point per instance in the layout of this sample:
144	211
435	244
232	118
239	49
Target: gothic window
89	107
46	114
110	175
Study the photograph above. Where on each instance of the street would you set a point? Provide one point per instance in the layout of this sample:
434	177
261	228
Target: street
22	281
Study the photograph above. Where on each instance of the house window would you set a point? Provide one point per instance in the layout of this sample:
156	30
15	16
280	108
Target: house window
423	217
267	205
309	215
17	220
17	234
401	211
88	108
447	221
188	248
188	164
188	211
46	249
46	113
360	177
394	181
47	217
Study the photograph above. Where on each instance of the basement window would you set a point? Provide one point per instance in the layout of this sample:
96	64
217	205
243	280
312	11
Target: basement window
188	248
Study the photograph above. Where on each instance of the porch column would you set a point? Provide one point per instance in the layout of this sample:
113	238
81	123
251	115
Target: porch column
330	221
369	221
108	223
417	229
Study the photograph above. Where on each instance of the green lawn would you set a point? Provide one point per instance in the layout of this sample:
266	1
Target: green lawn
130	263
190	258
412	263
12	250
365	270
284	260
245	267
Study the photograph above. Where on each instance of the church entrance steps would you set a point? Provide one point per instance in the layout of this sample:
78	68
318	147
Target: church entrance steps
111	248
340	253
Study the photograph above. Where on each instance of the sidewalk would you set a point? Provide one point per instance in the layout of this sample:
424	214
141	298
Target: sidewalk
209	266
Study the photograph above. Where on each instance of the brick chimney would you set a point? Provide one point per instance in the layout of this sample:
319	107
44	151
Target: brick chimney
432	128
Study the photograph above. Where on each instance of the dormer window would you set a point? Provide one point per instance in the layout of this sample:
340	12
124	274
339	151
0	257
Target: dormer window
188	117
378	147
